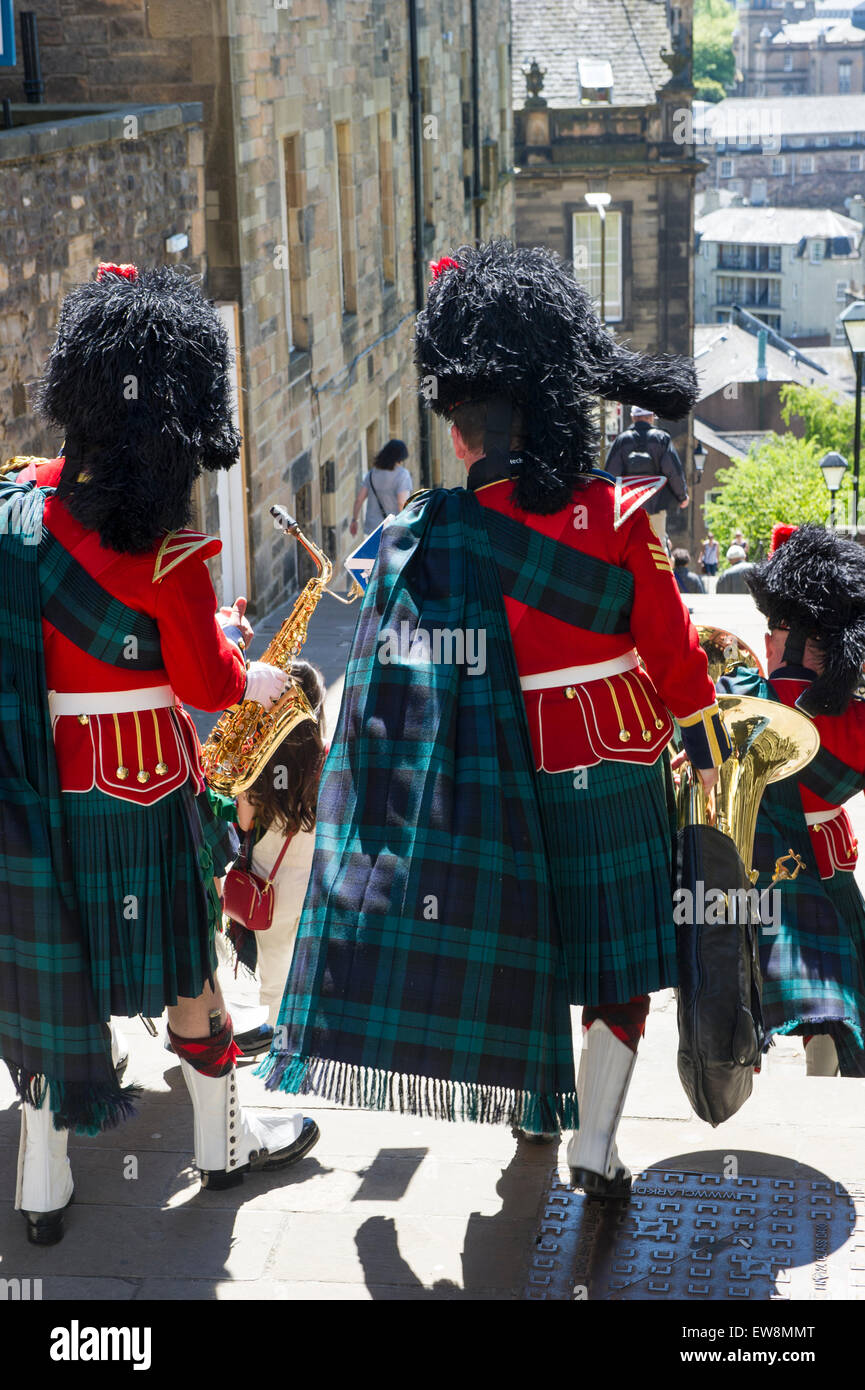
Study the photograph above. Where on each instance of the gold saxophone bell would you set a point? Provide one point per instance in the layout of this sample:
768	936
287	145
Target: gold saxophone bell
245	736
770	741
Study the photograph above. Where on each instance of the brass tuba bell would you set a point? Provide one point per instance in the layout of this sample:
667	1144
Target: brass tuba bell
770	741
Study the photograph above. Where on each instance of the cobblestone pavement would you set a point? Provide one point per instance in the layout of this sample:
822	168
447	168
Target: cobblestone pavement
392	1207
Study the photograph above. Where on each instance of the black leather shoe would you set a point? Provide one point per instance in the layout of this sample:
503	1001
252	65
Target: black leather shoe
595	1185
46	1227
255	1041
264	1161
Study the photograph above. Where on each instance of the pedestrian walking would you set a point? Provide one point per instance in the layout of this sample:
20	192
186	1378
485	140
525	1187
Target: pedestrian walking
734	580
710	555
811	590
276	816
467	886
385	488
687	580
644	449
111	844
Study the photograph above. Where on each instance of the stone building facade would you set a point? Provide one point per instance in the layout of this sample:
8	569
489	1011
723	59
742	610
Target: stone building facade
74	189
794	269
795	48
599	108
784	151
344	148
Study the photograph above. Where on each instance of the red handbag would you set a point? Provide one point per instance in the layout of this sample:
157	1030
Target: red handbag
248	898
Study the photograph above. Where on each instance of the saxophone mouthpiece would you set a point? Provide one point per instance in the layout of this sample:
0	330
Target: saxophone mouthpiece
283	518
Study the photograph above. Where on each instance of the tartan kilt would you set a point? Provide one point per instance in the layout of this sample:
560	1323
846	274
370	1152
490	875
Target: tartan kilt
609	846
811	958
143	876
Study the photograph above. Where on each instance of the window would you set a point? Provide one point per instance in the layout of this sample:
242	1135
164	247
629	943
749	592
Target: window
587	259
854	162
779	164
371	440
297	325
427	145
796	142
845	69
394	417
846	140
726	168
788	62
306	566
841	290
466	112
817	249
822	141
774	258
386	198
504	108
806	163
795	289
758	192
345	200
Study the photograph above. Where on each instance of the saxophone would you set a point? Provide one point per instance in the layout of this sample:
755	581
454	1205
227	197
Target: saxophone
246	735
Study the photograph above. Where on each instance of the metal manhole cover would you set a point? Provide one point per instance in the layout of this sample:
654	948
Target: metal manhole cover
699	1236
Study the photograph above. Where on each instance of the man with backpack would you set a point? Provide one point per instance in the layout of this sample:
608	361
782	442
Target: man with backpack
645	450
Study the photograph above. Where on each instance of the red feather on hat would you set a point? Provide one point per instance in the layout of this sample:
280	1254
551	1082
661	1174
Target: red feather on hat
780	533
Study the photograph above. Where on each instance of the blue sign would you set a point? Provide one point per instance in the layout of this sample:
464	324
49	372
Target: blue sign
7	34
360	562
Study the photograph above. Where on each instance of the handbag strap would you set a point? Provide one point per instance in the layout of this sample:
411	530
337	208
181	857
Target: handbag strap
376	496
274	869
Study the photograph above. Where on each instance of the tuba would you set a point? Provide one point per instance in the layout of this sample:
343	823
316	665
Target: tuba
770	742
246	735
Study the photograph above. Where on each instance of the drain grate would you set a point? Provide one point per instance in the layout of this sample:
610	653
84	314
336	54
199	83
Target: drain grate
702	1237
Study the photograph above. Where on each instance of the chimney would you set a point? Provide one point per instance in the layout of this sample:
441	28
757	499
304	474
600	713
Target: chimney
856	208
762	370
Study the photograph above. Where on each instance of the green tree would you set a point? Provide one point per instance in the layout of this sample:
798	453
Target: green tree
714	62
779	480
828	421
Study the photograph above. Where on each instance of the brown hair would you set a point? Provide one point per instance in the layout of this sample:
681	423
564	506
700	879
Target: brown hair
470	418
284	794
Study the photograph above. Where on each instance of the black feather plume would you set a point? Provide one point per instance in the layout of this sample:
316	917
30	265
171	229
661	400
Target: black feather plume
137	381
513	322
815	582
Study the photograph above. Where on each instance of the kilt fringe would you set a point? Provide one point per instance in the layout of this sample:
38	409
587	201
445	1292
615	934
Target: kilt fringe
372	1088
87	1110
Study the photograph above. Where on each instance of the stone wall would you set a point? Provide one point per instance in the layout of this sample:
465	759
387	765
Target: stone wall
75	193
282	85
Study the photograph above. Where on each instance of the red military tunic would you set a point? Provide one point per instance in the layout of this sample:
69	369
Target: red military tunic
843	735
590	699
138	754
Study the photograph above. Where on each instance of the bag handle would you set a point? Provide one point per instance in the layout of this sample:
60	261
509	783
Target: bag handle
278	860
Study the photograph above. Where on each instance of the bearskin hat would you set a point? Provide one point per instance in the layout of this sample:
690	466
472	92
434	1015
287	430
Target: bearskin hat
814	584
513	323
137	381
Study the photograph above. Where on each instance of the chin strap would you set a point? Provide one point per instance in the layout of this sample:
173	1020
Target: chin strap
497	433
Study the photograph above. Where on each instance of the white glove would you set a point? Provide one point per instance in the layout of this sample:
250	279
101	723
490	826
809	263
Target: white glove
264	683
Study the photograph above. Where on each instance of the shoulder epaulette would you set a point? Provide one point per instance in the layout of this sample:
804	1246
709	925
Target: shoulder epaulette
177	547
632	493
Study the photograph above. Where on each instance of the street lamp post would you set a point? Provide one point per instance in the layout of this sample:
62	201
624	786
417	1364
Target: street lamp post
853	319
600	202
699	452
834	467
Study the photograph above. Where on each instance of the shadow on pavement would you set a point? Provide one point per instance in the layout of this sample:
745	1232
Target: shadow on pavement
496	1249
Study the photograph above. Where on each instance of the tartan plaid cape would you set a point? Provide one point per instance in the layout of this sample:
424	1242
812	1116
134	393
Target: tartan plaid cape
49	1029
428	975
812	980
